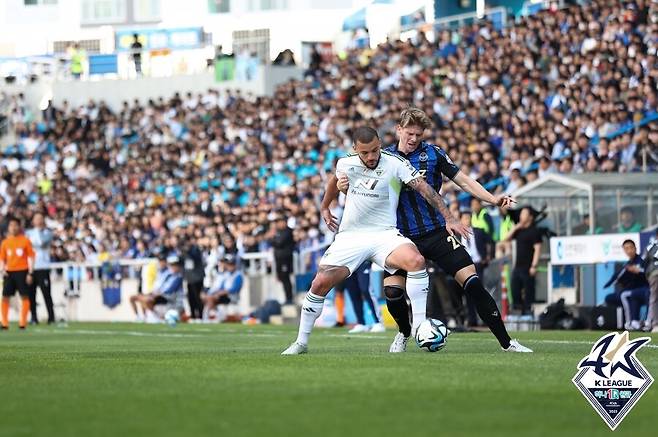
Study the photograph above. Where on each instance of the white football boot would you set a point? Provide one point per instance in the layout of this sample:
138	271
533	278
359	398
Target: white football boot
399	344
515	346
358	329
378	328
295	349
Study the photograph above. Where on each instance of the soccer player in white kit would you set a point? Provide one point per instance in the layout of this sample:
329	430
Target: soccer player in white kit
368	229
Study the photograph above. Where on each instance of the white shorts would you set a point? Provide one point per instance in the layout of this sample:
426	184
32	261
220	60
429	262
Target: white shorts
351	249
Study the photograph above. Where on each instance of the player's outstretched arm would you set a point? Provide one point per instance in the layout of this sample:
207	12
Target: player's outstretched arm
474	188
453	226
330	194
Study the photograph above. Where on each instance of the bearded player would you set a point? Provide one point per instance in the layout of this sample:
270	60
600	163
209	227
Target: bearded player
368	226
426	227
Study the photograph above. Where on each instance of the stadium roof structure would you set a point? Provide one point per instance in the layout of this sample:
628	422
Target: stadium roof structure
602	196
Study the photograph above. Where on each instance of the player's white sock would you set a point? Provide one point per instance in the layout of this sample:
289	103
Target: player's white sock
418	284
311	310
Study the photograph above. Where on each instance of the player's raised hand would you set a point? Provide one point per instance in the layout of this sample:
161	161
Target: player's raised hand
454	227
329	219
343	182
505	201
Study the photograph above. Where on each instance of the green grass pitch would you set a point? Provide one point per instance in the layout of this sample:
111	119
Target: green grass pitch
124	380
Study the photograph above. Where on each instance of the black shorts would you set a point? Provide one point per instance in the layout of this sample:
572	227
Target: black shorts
224	299
160	300
442	248
15	281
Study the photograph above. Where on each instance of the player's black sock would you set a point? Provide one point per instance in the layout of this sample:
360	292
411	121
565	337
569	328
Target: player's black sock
397	305
487	309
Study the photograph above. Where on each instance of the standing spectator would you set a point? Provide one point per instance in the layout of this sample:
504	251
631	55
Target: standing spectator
651	269
194	274
283	243
78	58
506	226
136	54
528	248
633	290
41	238
480	218
316	60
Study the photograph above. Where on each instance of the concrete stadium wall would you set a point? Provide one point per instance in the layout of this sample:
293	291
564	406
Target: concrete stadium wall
115	91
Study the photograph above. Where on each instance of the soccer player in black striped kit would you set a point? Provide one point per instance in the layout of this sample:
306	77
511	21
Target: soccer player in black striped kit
425	226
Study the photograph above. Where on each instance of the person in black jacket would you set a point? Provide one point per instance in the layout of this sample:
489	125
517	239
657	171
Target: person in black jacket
194	274
633	290
284	244
528	240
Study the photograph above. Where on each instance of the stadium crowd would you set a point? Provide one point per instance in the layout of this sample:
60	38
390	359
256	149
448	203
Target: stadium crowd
216	169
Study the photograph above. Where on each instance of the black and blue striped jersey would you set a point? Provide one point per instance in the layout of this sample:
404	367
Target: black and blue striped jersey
415	215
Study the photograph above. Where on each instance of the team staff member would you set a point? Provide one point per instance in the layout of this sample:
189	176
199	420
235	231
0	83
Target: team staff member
283	243
41	238
528	249
17	267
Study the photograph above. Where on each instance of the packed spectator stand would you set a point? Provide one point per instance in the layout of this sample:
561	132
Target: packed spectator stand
566	91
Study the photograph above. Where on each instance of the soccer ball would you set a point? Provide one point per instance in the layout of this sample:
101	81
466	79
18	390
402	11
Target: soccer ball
432	335
171	317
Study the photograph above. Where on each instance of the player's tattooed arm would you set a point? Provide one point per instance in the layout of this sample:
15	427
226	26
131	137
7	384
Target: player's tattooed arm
453	226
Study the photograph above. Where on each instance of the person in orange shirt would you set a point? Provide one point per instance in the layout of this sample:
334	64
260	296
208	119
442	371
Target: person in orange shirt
16	266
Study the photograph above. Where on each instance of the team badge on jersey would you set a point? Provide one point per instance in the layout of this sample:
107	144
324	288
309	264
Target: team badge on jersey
19	251
423	157
612	378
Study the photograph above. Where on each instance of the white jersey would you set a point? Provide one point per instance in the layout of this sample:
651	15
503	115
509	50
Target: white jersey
372	198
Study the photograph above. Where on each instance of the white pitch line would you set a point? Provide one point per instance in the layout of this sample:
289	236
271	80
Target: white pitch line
276	334
531	340
130	333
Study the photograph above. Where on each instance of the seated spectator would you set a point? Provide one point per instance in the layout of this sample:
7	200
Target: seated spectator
140	299
586	225
627	221
633	288
169	292
226	289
